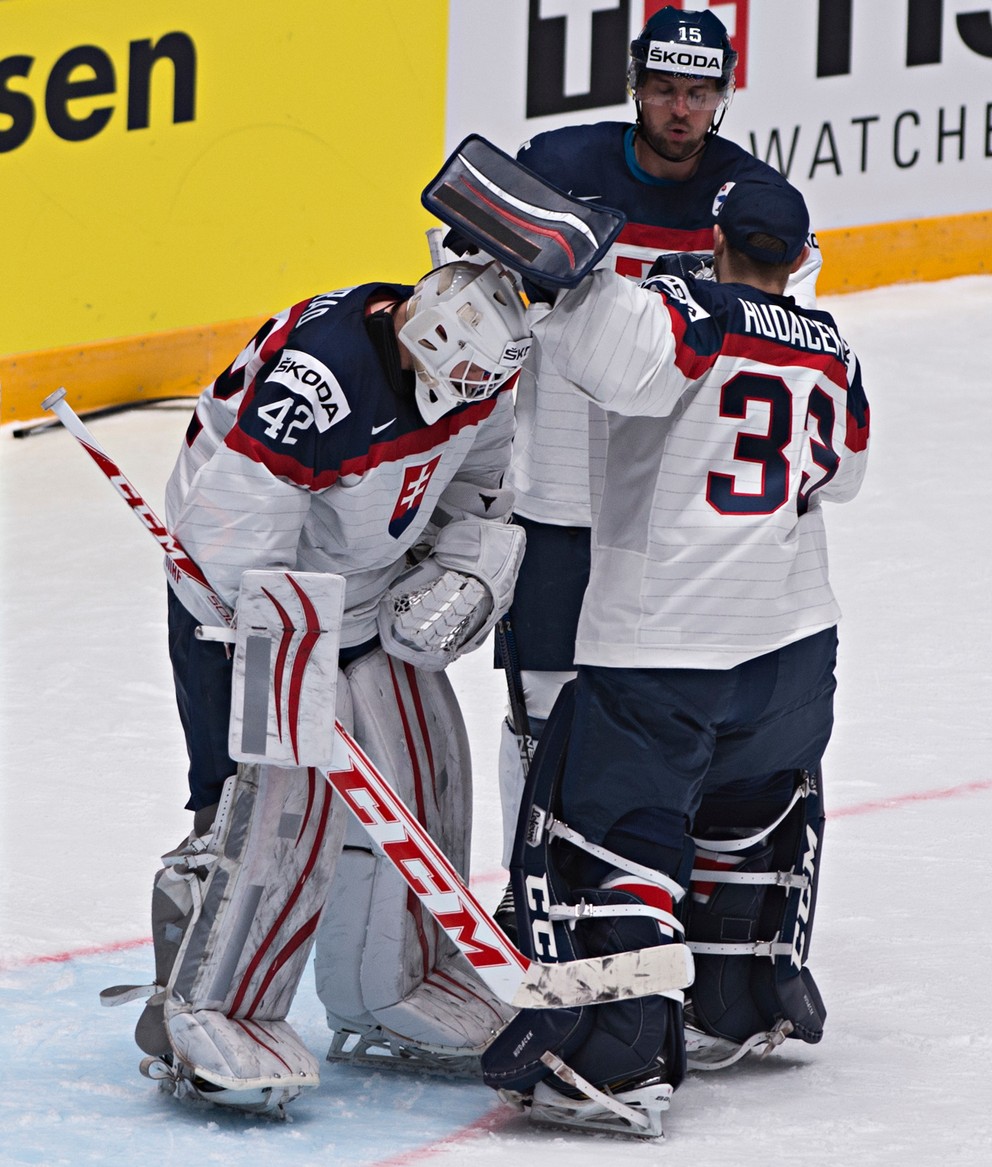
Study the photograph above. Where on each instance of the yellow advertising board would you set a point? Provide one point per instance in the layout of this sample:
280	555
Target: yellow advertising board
174	171
172	164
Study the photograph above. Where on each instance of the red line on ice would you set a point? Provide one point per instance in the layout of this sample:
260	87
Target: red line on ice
74	954
492	1120
894	803
904	799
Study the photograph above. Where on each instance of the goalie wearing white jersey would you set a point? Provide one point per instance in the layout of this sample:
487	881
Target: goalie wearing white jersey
364	433
677	787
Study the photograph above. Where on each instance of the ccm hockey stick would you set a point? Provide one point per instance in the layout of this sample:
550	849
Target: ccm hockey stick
399	836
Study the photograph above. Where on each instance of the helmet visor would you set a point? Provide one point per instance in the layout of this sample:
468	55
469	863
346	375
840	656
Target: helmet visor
662	88
661	91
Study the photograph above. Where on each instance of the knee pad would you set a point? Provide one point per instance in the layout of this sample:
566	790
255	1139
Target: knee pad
382	964
574	900
750	920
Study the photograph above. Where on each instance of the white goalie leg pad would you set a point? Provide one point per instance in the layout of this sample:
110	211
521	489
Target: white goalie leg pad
382	964
541	690
277	837
512	780
177	895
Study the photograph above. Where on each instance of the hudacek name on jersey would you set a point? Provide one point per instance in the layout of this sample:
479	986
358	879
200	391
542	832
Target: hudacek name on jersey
795	328
773	321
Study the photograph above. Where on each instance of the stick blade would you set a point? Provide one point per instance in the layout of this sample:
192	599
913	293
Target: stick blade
526	223
598	980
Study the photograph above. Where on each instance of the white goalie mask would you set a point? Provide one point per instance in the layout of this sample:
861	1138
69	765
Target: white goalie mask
467	334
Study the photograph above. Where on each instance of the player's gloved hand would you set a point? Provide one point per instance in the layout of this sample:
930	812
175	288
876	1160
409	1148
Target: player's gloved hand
448	603
698	264
536	294
430	614
459	244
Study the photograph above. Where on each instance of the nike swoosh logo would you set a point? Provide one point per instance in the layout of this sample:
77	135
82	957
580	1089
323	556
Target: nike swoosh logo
585	198
377	429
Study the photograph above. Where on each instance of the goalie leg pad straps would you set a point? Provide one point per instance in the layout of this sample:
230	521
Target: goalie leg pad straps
750	921
560	918
176	896
275	845
382	963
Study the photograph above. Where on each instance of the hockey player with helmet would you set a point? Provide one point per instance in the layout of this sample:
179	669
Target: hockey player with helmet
664	172
363	432
677	786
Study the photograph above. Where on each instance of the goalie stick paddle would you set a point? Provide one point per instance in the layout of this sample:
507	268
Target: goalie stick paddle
399	836
527	224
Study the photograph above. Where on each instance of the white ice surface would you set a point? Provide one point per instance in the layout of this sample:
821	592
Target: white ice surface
93	787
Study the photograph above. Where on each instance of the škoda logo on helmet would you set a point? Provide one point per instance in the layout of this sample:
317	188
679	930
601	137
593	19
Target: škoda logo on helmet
667	55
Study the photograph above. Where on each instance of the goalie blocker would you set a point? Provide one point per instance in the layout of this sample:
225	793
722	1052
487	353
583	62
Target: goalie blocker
518	218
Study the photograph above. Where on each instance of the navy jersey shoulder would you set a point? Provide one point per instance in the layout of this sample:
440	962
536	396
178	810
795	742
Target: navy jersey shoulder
576	155
733	318
592	161
323	399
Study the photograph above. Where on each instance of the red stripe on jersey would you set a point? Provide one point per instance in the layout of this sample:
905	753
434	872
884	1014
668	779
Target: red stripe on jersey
773	352
856	437
694	365
418	441
665	238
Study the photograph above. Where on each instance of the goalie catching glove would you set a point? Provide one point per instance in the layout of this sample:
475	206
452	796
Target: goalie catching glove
450	601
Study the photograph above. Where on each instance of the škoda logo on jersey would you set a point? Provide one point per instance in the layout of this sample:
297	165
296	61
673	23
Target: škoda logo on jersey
416	479
311	378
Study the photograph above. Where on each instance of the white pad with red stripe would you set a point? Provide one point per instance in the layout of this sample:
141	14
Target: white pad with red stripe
288	636
381	960
277	836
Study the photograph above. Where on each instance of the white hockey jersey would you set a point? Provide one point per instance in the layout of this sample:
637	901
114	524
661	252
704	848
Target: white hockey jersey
731	415
549	474
306	453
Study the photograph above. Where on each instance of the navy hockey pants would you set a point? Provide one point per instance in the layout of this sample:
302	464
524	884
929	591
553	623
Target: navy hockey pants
647	746
548	595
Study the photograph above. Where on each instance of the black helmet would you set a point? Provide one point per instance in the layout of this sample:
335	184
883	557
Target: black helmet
688	44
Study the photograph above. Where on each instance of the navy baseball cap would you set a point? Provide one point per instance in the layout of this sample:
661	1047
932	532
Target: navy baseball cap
755	206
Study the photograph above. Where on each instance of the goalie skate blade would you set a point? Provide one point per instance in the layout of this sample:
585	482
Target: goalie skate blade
597	980
637	1115
123	994
383	1052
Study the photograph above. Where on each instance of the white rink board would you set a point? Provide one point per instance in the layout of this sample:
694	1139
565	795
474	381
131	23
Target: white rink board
883	140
